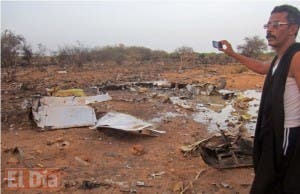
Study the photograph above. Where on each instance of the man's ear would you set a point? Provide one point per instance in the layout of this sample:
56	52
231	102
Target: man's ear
294	29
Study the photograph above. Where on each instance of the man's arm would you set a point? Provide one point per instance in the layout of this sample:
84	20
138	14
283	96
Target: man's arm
295	68
254	65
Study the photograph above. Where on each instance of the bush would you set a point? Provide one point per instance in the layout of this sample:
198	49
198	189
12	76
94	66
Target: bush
74	54
11	48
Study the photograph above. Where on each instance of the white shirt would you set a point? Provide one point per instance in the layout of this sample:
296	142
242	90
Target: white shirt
291	104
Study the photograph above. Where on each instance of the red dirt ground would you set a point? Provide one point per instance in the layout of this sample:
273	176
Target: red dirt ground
118	159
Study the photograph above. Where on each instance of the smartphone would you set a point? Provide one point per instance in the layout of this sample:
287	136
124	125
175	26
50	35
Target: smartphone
217	44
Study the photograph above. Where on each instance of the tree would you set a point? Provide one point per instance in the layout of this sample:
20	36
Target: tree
40	58
14	50
42	49
184	50
186	54
253	47
11	47
27	53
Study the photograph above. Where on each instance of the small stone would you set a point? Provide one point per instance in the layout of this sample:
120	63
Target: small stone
137	150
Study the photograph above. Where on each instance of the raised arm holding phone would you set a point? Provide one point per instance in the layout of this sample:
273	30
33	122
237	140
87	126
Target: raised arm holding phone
255	65
276	153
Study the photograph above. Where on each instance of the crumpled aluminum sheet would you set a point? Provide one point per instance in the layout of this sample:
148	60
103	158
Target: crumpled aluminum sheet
125	122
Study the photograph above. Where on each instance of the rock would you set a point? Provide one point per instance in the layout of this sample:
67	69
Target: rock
137	150
178	187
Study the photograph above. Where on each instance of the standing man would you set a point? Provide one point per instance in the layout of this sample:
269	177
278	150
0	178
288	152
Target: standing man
276	153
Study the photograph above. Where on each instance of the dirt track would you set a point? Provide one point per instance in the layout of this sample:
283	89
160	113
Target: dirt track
120	160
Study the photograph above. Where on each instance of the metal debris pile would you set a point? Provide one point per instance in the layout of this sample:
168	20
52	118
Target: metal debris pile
223	150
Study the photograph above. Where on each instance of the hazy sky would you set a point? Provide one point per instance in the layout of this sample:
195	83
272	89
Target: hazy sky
163	25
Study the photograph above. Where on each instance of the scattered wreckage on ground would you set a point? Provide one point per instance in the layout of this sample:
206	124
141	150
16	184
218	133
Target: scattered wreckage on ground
51	112
222	150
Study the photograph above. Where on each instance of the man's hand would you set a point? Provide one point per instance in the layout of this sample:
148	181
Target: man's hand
227	48
253	64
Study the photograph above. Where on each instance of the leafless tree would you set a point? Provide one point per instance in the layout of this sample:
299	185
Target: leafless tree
253	47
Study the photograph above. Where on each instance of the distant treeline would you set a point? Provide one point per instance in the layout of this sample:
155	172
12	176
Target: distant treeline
16	51
121	55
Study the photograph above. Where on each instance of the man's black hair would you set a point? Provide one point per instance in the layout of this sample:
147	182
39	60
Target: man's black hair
293	16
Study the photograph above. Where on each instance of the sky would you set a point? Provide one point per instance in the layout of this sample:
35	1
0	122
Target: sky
158	25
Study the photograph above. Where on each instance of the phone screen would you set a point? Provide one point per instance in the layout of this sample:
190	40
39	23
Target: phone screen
217	44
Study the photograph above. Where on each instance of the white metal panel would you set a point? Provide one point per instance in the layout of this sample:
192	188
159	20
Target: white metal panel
54	117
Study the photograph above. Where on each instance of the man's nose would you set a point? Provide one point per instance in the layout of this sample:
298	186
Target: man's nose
269	29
